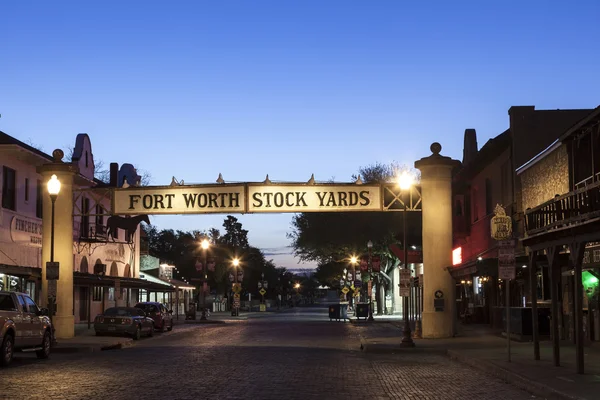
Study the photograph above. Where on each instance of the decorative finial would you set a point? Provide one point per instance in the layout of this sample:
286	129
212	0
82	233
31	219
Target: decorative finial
220	179
311	181
267	181
174	182
435	148
359	181
125	183
499	211
58	155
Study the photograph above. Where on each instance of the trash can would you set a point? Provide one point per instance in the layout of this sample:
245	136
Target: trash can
362	310
334	312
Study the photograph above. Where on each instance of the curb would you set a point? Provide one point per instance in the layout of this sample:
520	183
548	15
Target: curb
91	348
510	377
208	321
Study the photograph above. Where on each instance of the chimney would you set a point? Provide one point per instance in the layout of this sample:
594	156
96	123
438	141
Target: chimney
470	146
114	174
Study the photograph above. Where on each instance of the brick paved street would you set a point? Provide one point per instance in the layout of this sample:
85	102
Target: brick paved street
294	355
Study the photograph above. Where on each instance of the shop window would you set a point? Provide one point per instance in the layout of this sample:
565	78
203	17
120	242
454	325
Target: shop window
98	293
111	294
38	200
9	192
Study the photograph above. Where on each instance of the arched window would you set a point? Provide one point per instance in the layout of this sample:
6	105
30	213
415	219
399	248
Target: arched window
114	270
127	272
83	267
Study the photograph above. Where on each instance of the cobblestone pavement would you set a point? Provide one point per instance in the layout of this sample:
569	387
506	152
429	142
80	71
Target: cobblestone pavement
280	357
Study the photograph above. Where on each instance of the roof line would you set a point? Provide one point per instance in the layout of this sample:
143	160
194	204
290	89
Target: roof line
539	156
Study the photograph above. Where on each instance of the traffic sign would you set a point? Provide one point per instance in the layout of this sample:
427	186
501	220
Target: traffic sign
262	291
345	290
237	288
404	282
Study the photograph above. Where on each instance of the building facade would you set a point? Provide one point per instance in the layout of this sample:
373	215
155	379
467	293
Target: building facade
488	178
561	200
106	268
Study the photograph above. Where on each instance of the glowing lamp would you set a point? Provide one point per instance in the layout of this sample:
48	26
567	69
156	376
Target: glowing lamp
53	186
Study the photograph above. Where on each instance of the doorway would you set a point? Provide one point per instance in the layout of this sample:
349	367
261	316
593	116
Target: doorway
83	303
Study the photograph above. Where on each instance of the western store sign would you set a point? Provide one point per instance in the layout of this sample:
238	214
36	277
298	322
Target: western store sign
246	198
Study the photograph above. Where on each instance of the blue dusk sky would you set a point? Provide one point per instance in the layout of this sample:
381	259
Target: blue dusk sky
192	89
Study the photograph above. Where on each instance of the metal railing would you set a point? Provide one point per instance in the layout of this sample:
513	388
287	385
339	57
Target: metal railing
89	231
568	209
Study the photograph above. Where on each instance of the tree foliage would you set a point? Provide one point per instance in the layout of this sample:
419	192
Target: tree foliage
330	239
183	250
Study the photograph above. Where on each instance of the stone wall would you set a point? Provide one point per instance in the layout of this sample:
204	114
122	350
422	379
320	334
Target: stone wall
546	178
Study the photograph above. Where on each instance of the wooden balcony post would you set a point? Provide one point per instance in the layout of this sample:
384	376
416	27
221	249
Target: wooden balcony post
554	269
577	250
534	310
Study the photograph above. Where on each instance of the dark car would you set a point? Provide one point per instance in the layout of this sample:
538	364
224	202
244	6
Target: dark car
162	317
124	321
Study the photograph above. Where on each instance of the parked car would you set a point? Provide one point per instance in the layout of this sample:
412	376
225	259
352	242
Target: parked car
124	321
163	318
23	327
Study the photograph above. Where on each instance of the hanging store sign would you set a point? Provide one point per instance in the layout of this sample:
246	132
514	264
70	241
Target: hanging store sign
501	224
246	198
26	231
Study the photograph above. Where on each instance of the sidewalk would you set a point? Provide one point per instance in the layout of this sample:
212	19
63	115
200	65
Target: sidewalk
86	341
483	349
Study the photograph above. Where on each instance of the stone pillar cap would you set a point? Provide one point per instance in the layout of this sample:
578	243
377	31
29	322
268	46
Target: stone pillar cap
436	159
58	165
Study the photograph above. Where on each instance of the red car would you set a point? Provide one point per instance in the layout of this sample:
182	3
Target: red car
163	318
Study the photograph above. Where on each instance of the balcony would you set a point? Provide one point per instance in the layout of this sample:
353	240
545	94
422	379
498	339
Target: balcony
88	232
570	210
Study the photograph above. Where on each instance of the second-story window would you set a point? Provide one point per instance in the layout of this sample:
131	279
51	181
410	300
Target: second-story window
38	199
85	218
9	192
489	204
474	201
26	189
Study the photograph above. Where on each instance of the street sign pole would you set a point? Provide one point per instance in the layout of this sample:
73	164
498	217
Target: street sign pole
508	318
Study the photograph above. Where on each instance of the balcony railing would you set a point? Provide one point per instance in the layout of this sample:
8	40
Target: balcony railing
90	232
569	209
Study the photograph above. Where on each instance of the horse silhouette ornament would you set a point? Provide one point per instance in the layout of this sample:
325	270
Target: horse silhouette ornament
129	225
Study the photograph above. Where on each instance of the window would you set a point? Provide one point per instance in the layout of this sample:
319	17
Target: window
7	303
505	184
98	293
489	204
22	303
475	208
111	294
33	308
26	189
38	200
583	160
9	193
85	218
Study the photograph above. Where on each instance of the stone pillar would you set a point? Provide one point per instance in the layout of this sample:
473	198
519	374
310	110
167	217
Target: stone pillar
63	320
436	195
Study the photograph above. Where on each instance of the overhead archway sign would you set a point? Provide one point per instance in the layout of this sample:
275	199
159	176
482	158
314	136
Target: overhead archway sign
257	198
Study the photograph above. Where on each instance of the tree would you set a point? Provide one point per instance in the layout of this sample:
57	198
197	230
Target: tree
330	239
234	236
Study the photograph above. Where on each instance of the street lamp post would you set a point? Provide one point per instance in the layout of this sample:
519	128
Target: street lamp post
405	181
52	267
236	263
205	246
370	319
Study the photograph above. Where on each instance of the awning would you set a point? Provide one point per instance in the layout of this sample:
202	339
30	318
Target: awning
84	279
23	272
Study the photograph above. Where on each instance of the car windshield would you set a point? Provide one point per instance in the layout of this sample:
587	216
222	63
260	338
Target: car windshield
147	307
120	311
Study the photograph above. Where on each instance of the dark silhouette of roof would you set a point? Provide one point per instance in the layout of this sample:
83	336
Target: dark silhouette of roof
7	139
